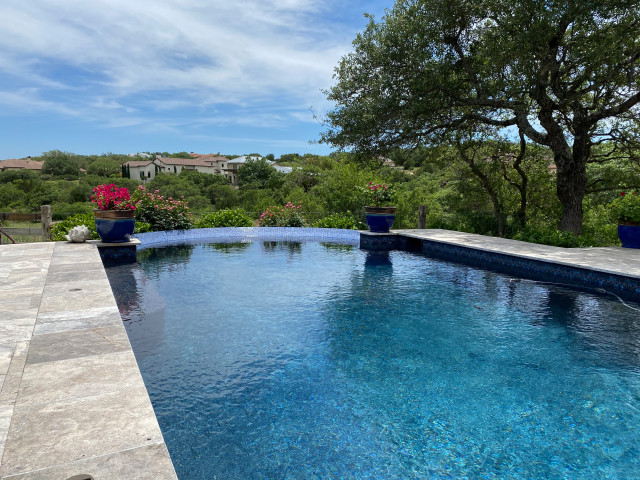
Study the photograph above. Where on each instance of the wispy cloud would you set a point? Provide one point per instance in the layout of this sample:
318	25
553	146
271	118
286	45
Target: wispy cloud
125	63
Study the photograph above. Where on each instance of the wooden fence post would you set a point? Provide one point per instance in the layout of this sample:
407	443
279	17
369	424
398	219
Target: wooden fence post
422	217
45	219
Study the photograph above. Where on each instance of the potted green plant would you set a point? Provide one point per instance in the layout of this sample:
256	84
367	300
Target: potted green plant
379	214
627	210
115	215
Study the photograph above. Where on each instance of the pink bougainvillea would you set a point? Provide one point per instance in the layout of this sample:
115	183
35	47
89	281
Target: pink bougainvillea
110	197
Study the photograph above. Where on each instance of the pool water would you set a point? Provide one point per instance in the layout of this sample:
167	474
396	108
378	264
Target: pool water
289	360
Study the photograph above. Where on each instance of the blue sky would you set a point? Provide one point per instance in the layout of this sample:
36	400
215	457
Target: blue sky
123	76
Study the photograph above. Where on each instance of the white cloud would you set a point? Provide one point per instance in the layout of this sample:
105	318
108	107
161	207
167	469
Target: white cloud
188	52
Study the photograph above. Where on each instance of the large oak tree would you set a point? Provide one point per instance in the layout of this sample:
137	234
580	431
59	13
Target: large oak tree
564	74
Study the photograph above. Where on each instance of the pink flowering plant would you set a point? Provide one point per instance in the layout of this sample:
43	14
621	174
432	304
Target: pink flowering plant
160	212
378	195
289	215
627	208
110	197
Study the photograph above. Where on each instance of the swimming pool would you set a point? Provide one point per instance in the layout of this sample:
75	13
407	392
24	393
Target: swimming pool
309	360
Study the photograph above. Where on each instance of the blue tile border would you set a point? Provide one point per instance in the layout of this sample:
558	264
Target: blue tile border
229	234
535	269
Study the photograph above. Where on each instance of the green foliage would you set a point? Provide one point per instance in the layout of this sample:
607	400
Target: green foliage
60	164
60	229
160	212
179	155
627	207
105	167
436	69
288	216
256	172
142	227
10	176
337	188
61	210
225	218
11	197
550	236
182	187
340	220
378	194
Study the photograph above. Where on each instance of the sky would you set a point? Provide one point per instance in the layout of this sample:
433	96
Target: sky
204	76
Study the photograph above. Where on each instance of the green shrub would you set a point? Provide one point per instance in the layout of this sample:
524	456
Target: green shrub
340	220
550	236
142	227
225	218
161	213
59	230
288	216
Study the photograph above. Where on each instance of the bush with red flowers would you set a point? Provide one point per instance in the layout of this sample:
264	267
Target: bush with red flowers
378	195
627	208
110	197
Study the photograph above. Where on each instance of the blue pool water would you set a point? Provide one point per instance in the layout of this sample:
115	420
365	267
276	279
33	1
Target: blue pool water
291	360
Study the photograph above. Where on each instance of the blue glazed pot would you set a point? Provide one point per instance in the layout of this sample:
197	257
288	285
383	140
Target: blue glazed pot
380	219
115	226
629	235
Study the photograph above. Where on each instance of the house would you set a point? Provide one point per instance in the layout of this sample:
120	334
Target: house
143	170
146	170
213	164
21	164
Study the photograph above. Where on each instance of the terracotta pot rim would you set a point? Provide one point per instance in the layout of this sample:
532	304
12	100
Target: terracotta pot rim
379	209
113	214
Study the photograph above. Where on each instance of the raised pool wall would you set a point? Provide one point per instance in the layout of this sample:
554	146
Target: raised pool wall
613	269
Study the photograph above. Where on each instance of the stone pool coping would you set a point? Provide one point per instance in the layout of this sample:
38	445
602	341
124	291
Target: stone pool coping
72	400
615	270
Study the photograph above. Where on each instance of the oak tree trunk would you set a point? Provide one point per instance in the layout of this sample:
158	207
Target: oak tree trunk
571	188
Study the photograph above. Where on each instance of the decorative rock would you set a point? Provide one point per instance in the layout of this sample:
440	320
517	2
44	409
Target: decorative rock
79	234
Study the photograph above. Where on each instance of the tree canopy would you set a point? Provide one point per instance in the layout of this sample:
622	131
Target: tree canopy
60	164
563	74
256	171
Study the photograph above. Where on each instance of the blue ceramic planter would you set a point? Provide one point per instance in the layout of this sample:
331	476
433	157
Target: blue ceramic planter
115	226
629	235
380	219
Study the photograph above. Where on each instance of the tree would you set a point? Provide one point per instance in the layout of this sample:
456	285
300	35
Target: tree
60	164
563	73
105	167
257	172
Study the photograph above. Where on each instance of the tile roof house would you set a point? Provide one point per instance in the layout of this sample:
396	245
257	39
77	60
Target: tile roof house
146	170
21	164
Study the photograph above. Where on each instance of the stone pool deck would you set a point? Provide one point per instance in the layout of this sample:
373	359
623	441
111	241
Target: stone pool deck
72	400
616	260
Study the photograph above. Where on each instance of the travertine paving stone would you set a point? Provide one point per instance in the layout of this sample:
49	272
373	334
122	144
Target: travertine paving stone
77	343
624	261
72	399
43	435
78	378
150	462
64	321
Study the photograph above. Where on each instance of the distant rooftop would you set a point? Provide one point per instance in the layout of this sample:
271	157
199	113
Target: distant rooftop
20	164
